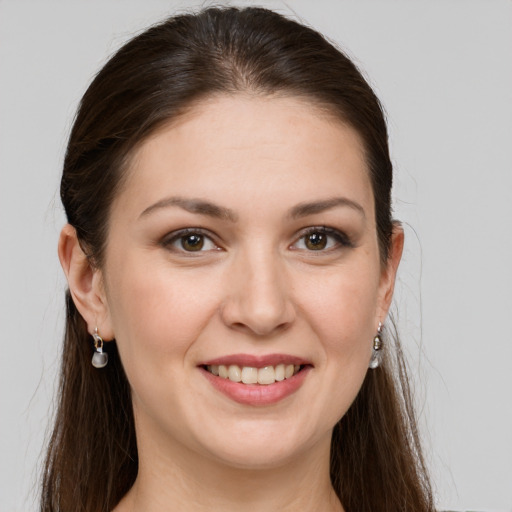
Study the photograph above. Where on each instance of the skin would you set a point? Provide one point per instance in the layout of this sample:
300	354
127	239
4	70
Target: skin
256	288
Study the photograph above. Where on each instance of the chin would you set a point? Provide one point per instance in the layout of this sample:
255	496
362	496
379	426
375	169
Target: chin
258	447
255	458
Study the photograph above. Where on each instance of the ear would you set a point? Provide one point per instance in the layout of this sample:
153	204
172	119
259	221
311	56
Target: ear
85	283
389	270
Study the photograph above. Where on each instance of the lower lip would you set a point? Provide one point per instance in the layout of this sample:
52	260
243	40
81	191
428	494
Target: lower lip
257	394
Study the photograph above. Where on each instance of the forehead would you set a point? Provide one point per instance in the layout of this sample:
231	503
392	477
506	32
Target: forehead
244	149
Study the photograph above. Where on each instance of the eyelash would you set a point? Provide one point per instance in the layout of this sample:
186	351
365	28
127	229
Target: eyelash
341	239
177	236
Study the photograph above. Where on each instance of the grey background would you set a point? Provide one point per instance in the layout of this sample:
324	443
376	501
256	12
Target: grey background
443	70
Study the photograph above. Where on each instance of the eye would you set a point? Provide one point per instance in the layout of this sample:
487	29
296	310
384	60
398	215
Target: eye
190	240
321	239
316	241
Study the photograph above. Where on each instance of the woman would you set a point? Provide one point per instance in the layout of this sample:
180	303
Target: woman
231	258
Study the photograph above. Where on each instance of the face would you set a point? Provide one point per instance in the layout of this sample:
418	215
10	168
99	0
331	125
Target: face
244	243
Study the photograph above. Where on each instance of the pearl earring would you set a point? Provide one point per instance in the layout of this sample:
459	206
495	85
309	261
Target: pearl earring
377	346
99	358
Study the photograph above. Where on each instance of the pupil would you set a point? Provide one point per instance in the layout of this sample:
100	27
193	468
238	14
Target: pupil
316	241
192	242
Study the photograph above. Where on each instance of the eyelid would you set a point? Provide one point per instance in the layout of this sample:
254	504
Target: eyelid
341	238
169	239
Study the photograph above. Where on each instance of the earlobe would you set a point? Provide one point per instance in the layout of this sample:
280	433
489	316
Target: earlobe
85	283
389	271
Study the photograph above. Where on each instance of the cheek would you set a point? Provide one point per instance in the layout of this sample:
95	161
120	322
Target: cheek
161	311
341	308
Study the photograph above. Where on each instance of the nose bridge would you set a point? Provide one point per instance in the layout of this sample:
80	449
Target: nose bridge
259	298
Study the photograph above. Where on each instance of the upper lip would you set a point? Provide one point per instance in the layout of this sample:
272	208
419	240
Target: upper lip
254	361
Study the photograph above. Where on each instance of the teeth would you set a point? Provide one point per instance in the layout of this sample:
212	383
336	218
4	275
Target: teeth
234	373
266	375
250	375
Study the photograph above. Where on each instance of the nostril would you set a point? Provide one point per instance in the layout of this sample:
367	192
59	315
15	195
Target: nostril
239	326
259	330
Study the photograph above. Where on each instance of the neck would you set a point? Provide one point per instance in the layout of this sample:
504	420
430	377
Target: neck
179	479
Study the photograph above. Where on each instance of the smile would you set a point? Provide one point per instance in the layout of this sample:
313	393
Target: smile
252	375
256	380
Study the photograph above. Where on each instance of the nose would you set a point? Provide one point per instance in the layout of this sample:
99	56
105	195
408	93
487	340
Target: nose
258	295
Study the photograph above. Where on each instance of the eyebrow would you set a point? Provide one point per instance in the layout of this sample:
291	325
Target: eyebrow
203	207
304	209
193	206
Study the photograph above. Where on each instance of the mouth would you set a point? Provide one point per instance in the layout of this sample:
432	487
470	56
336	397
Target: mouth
256	380
252	375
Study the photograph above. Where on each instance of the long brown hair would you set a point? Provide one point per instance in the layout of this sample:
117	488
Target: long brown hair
376	459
